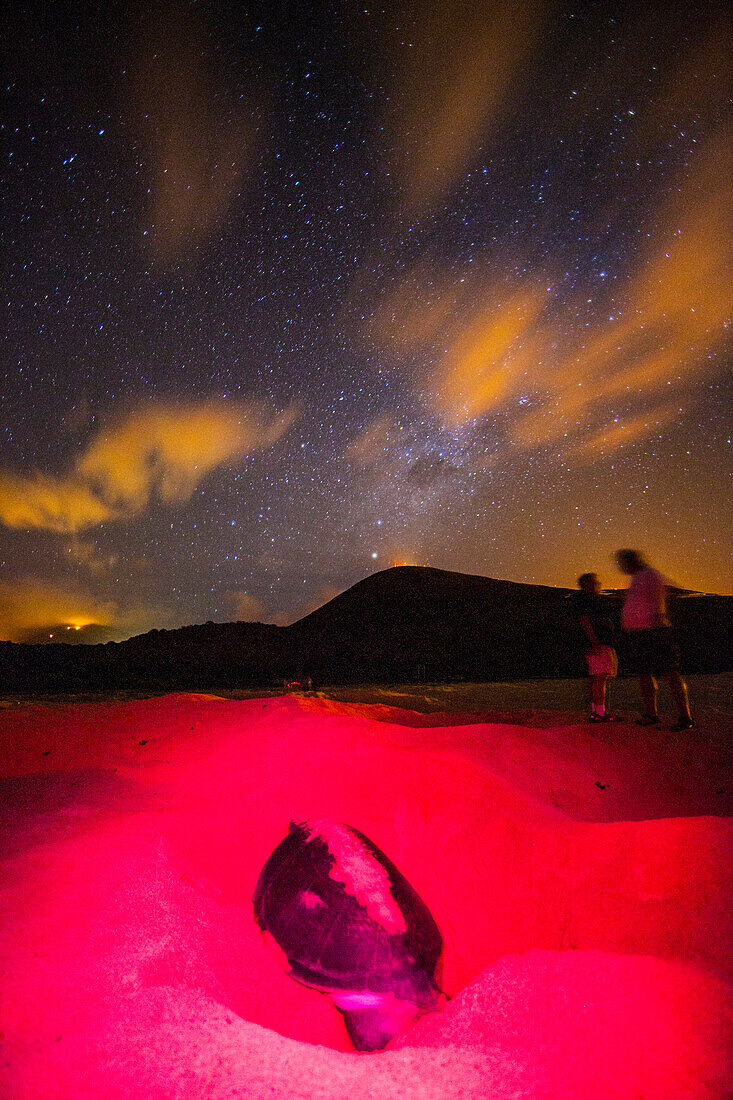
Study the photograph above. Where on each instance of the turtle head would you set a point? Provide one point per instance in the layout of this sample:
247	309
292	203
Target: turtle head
374	1019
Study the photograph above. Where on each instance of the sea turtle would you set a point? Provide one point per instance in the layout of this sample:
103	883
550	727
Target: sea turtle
340	918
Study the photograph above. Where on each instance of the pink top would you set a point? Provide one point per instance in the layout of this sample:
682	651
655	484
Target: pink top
645	605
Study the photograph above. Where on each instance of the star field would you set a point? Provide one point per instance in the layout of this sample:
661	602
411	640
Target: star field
291	296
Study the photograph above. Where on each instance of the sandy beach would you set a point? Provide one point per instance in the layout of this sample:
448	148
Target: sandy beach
580	877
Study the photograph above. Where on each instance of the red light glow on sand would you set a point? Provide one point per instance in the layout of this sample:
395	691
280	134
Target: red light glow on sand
584	905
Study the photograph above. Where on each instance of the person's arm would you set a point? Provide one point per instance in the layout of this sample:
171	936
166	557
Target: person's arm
587	625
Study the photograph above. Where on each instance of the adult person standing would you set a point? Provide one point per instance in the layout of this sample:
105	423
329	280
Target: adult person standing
593	616
653	650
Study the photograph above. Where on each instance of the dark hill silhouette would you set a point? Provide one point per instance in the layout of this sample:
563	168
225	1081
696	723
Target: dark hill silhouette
432	623
406	623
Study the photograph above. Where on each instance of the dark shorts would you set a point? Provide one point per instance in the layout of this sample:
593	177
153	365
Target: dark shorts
652	651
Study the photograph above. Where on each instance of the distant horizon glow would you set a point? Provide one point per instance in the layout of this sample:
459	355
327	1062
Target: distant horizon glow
91	633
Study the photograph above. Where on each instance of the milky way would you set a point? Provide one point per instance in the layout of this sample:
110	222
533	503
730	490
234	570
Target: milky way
294	295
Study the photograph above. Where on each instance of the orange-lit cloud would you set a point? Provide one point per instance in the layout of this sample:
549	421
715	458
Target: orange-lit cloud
170	450
452	76
673	316
488	360
557	382
56	504
485	338
159	451
194	136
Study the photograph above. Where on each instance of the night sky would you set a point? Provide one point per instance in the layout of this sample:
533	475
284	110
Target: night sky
296	292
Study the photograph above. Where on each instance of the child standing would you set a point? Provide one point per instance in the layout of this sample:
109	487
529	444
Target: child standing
597	625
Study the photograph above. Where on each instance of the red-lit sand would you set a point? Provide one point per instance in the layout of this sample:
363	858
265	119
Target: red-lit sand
580	881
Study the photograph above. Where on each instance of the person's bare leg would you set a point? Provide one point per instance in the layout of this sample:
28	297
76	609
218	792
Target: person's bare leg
648	686
606	693
678	687
598	690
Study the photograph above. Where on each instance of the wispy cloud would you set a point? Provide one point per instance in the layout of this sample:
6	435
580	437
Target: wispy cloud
481	337
162	451
86	553
247	608
373	443
521	349
453	71
62	504
488	360
671	319
610	438
193	134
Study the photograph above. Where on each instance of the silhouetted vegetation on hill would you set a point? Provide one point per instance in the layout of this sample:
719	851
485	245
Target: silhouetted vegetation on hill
408	623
